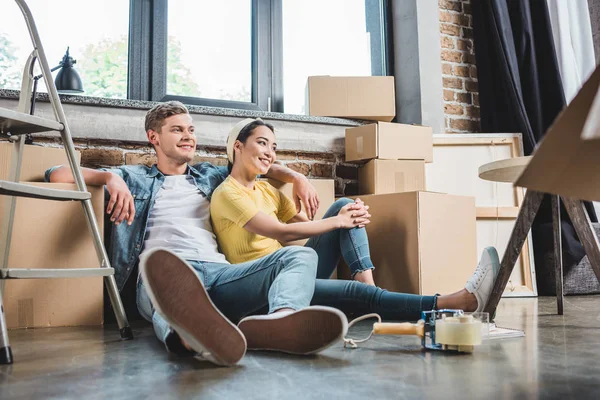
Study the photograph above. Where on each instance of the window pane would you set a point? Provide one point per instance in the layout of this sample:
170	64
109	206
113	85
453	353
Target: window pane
209	49
96	32
326	38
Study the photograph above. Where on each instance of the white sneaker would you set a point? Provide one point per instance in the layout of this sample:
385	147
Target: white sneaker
307	331
482	281
179	296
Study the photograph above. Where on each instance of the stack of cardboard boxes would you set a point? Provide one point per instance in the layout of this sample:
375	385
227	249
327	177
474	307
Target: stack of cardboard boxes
50	234
421	242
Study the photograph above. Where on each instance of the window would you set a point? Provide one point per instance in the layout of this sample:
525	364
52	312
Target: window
96	33
246	54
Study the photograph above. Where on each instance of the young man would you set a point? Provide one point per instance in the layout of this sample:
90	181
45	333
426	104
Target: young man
161	217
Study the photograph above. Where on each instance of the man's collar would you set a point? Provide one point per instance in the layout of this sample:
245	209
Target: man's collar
154	171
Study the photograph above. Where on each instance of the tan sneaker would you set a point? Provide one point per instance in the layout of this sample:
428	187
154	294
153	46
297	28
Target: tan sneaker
179	296
307	331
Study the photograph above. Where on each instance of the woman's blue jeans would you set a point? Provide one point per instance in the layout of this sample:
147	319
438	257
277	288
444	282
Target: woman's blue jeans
354	297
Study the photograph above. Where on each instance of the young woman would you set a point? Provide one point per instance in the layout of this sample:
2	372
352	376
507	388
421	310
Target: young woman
250	218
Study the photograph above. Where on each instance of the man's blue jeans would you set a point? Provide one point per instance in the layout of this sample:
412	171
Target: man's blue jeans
354	297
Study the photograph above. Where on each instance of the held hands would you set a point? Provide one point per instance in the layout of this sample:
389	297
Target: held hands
355	215
304	193
121	203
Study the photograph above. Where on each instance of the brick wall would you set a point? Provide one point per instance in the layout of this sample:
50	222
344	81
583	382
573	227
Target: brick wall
459	74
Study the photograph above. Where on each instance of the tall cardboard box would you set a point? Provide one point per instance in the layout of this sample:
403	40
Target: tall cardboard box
36	160
421	242
53	234
360	97
389	141
391	176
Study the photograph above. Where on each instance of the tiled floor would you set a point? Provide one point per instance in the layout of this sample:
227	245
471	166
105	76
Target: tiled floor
558	358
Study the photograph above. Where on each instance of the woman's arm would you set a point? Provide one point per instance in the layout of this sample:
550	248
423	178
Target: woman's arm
264	225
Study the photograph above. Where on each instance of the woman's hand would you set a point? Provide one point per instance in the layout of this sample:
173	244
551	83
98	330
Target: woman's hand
354	216
121	203
304	192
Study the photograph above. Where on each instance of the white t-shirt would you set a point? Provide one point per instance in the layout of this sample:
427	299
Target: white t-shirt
180	222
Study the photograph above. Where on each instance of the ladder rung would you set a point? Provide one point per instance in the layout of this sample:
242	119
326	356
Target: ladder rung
39	273
17	123
23	190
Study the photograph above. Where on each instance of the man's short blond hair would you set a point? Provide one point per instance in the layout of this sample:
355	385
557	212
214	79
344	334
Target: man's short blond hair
156	116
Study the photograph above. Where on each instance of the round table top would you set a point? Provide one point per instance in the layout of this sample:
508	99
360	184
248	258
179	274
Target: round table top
504	170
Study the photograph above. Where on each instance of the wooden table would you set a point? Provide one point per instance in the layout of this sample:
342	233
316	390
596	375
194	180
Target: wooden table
508	171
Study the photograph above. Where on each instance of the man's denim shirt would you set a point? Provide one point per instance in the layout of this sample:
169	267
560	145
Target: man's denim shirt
126	241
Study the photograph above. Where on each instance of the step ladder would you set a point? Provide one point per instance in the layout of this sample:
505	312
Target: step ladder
16	124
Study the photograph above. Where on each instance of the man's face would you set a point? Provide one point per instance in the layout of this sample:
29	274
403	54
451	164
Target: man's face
175	142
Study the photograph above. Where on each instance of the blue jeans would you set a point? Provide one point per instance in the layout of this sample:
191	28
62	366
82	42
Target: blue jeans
354	297
284	279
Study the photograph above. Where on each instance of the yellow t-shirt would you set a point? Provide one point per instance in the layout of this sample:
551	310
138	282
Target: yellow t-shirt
233	205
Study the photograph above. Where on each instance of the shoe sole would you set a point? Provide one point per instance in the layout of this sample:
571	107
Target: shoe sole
493	253
304	332
178	294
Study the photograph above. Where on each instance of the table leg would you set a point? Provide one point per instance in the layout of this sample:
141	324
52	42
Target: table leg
558	265
585	231
527	213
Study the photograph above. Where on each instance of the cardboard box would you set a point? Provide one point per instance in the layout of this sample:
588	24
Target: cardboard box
567	161
36	160
389	141
365	97
421	242
53	234
391	176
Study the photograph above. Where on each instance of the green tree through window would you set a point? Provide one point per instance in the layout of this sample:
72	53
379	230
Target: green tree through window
10	76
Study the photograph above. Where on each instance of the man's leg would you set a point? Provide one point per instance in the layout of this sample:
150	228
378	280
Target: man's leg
351	244
284	280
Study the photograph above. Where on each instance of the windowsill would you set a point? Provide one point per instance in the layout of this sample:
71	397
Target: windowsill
194	109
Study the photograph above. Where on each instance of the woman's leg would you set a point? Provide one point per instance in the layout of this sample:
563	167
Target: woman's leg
352	244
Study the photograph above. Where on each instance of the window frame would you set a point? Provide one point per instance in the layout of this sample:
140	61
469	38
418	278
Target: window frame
147	66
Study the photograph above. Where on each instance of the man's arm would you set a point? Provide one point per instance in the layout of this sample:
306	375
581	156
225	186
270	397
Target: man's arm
302	191
121	203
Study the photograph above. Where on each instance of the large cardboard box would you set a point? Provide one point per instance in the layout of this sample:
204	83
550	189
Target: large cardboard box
567	162
389	141
421	242
391	176
36	160
53	234
360	97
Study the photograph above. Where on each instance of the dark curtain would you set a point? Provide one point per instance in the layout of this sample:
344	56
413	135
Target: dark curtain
520	90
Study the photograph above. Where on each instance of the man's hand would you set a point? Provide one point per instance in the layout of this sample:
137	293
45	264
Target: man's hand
304	193
121	203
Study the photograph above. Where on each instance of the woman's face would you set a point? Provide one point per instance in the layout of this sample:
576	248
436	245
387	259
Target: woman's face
258	153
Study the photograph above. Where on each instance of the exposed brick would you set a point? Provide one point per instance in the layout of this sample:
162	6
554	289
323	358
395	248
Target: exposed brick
452	56
213	150
467	33
473	71
445	16
471	86
450	5
452	83
140	158
463	98
339	185
473	112
464	45
449	95
454	109
447	42
346	172
217	161
446	69
465	125
476	99
134	146
94	158
322	170
286	155
468	58
467	8
302	168
327	157
461	71
351	189
449	29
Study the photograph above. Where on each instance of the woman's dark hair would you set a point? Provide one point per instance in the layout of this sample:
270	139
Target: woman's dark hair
246	132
